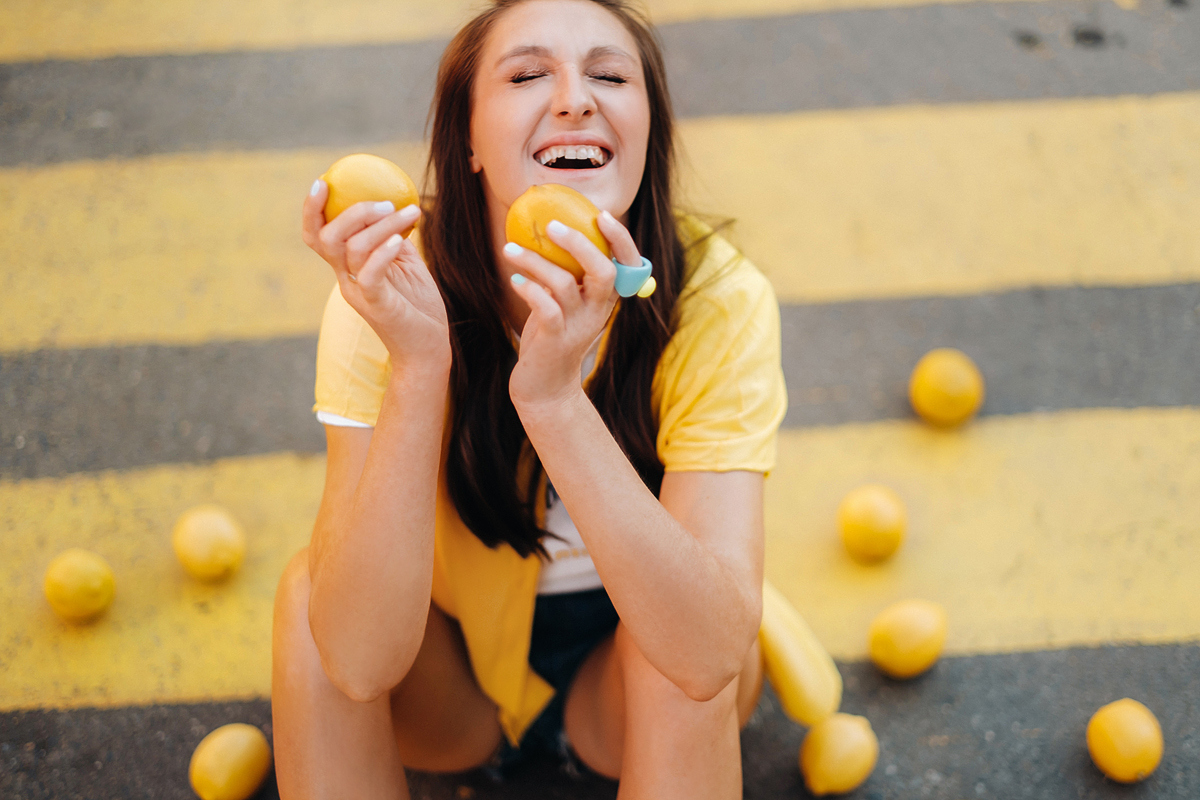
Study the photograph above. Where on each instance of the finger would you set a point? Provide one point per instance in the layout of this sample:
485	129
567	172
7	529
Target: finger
556	280
372	279
313	213
619	239
544	312
360	246
598	270
337	232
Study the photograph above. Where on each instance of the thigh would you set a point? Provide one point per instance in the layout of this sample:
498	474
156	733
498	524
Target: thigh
596	712
329	745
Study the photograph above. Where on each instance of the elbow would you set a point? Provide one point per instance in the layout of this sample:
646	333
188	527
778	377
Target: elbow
722	666
358	673
702	688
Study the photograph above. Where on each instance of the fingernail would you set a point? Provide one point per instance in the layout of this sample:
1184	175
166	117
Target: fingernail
316	187
410	208
607	216
519	279
556	227
394	240
384	207
513	249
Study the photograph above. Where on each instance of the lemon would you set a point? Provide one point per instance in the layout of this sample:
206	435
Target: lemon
230	763
838	754
946	388
907	637
872	521
208	543
530	213
79	585
1125	740
363	177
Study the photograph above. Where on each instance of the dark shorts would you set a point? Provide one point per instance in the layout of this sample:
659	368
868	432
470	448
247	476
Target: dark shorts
566	629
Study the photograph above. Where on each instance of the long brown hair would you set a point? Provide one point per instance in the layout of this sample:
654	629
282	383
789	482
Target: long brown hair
486	435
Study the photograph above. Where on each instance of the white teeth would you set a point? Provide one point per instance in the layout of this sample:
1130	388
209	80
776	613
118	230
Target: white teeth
595	154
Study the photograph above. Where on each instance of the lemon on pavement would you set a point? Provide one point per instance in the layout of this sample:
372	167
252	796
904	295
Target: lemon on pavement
530	213
208	543
838	754
230	763
364	177
946	388
907	637
872	520
1125	740
79	585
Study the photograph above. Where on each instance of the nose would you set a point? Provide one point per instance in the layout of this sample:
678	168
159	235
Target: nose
572	100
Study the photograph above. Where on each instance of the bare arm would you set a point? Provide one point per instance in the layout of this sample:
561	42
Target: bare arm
371	558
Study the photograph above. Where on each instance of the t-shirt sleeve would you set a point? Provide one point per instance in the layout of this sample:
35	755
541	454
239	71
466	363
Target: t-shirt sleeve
353	367
722	394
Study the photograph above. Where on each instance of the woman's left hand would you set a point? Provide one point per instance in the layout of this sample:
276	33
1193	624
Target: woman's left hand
565	316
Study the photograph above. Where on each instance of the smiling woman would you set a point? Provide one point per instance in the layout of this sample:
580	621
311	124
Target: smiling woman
542	520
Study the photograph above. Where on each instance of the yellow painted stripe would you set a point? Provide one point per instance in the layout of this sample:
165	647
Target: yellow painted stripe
1041	531
166	637
832	205
38	29
167	249
959	199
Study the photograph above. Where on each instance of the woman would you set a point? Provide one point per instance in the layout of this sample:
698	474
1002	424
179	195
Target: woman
506	556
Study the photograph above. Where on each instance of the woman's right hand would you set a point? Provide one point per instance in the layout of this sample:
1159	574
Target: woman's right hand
381	275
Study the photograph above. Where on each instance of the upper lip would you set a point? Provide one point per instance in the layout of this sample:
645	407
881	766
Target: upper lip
568	139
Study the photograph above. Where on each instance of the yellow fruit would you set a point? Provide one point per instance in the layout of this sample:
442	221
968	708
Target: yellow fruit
530	213
208	543
362	177
838	754
907	637
1125	740
805	678
230	763
79	585
872	521
946	388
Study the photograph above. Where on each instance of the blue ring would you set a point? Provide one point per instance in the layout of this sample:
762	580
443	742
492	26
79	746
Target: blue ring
631	279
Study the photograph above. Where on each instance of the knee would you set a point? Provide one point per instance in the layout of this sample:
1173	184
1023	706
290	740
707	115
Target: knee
295	586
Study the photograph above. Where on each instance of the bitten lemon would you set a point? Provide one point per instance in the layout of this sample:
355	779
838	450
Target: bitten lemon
230	763
1125	740
838	754
946	388
208	543
363	177
530	213
79	585
872	520
907	637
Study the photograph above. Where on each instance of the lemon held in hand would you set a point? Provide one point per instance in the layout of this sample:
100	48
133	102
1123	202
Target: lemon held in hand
1125	740
872	520
363	177
838	754
208	543
907	637
230	763
530	213
946	388
79	585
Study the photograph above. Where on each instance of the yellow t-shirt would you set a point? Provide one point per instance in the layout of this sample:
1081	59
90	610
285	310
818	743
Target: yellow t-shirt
719	397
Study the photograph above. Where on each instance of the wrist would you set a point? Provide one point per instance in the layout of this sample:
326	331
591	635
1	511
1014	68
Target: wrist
426	371
553	412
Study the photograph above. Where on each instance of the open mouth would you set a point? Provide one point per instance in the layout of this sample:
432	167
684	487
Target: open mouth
579	156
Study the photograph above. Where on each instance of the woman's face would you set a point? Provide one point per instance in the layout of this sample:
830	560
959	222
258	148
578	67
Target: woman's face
560	98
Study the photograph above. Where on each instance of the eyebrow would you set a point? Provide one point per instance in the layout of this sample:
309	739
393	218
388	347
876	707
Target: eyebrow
542	52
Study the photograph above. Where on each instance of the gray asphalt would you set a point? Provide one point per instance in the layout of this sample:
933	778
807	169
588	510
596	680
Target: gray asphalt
995	726
66	411
134	106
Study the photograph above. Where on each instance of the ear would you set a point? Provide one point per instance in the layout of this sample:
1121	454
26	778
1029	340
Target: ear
473	161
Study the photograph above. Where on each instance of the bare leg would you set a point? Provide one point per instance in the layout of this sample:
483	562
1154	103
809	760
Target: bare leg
625	720
328	746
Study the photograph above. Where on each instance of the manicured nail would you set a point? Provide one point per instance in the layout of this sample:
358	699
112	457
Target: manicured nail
394	240
607	216
316	187
556	227
513	249
411	207
384	207
518	279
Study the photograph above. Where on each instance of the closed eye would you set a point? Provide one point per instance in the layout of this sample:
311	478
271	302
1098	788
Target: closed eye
610	78
522	77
